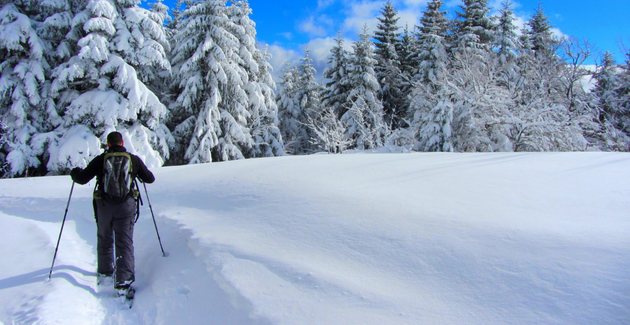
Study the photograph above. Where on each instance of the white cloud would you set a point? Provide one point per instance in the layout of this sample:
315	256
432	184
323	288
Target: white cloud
520	22
558	33
409	17
322	4
361	14
279	57
319	49
317	28
415	2
498	4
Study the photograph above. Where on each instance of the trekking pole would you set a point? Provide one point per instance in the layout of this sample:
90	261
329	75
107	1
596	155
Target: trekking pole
165	254
60	232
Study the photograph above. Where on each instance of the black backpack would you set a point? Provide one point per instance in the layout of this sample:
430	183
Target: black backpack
117	181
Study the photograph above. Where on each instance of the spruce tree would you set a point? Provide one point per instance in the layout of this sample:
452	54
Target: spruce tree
388	68
156	75
308	92
431	111
539	32
612	115
211	110
607	82
364	120
623	92
432	57
100	88
506	39
337	86
289	111
474	28
407	54
268	140
22	78
4	166
387	35
408	66
258	85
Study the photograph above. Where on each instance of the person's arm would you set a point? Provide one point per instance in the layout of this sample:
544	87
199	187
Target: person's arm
82	176
144	173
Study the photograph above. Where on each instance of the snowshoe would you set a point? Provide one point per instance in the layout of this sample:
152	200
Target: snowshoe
126	294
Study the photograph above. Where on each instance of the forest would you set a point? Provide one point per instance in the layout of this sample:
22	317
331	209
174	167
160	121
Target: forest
189	85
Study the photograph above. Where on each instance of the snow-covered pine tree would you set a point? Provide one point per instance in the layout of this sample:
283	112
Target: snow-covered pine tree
308	92
473	30
607	81
4	166
388	68
258	85
365	125
539	32
506	39
387	35
407	53
157	72
432	118
211	110
431	59
289	111
337	85
612	115
56	17
538	62
175	22
22	77
99	88
268	140
56	31
623	92
431	112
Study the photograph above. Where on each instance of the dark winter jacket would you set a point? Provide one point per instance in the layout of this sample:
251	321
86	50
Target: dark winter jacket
95	168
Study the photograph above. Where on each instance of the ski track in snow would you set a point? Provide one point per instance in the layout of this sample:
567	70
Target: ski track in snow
173	290
345	239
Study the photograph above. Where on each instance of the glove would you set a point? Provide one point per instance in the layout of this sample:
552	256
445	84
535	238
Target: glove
75	172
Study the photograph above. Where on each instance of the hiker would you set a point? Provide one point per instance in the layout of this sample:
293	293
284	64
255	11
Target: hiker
115	208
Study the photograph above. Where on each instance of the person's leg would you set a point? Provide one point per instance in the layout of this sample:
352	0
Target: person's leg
123	230
105	239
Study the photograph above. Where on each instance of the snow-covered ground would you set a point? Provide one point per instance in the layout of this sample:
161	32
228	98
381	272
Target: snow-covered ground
339	239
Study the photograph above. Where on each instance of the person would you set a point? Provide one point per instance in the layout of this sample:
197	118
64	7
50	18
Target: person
115	219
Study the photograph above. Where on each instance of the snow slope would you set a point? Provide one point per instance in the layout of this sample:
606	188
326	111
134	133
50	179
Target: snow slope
339	239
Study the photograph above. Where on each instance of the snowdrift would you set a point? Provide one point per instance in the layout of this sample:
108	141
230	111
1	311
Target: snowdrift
339	239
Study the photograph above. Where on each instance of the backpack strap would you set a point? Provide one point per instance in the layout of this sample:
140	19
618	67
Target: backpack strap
97	195
138	198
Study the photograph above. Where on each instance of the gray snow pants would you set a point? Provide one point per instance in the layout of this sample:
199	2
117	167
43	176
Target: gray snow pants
115	226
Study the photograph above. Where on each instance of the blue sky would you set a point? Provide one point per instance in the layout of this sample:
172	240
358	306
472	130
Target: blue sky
290	26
